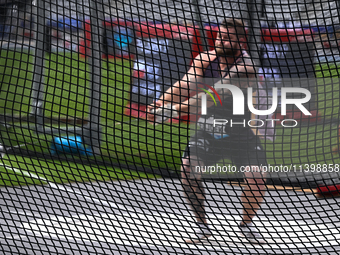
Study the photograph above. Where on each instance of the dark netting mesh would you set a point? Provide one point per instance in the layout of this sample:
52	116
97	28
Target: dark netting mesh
169	127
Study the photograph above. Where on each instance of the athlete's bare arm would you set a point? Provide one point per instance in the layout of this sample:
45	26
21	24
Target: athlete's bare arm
180	90
238	72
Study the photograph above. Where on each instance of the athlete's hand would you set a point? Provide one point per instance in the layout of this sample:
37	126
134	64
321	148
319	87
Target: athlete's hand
150	110
161	113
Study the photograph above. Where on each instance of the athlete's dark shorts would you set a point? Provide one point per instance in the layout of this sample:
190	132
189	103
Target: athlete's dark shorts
242	152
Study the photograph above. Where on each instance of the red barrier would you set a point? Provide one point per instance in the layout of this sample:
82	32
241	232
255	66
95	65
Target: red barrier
144	29
170	31
268	35
286	35
85	43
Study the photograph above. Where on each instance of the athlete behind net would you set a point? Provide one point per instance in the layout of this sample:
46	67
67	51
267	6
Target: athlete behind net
228	61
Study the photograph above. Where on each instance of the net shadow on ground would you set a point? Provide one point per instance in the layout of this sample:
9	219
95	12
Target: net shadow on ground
152	217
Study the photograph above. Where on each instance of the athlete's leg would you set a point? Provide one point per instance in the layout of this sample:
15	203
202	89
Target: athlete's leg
253	192
251	155
193	187
199	152
195	194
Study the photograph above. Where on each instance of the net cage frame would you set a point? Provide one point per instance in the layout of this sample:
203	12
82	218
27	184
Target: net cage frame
108	181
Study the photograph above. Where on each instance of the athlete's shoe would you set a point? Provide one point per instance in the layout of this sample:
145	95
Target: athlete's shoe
251	234
202	233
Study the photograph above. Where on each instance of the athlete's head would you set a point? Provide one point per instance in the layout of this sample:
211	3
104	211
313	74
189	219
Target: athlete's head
231	36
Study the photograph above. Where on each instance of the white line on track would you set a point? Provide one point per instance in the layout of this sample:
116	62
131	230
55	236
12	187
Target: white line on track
13	237
20	145
24	213
59	187
17	146
4	149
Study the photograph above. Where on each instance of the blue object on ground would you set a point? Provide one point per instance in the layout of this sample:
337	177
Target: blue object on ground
70	145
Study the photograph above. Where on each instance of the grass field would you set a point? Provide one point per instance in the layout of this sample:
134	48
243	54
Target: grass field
328	90
66	84
125	140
